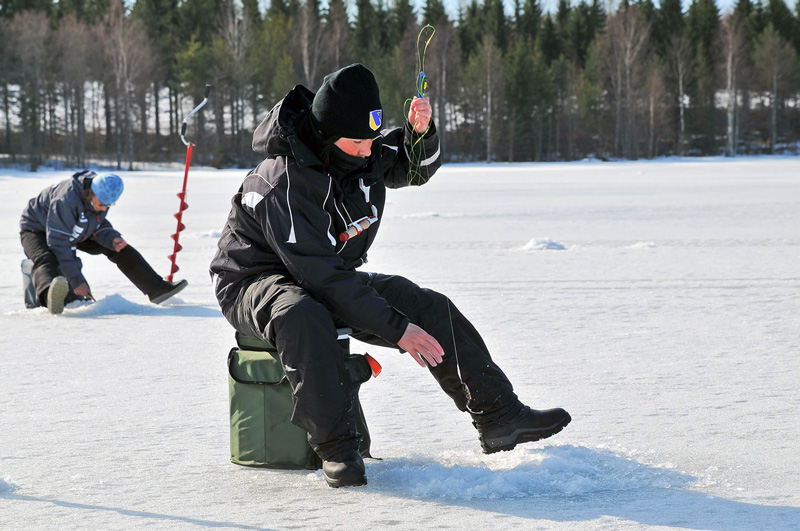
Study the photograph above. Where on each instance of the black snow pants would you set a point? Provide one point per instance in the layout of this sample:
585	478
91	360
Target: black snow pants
45	265
303	330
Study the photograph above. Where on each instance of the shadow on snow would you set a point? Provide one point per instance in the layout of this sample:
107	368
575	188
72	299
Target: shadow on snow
134	513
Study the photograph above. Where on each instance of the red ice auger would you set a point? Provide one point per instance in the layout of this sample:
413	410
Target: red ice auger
182	194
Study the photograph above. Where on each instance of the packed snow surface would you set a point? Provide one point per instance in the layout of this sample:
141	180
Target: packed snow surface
668	324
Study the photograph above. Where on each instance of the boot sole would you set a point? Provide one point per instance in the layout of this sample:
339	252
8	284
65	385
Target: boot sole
336	483
56	294
504	444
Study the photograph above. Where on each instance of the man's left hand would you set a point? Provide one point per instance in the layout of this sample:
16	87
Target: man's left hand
420	114
119	244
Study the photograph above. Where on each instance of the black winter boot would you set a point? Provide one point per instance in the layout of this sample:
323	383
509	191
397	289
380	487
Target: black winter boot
166	290
345	470
524	425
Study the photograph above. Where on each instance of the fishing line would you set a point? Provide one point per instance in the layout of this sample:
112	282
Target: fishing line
416	153
464	387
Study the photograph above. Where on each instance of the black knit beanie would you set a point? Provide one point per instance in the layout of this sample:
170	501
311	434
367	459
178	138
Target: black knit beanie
348	104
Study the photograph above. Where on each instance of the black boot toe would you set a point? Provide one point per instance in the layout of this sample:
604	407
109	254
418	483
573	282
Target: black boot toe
345	470
527	425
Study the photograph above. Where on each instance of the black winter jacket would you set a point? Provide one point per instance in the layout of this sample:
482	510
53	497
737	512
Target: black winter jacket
290	210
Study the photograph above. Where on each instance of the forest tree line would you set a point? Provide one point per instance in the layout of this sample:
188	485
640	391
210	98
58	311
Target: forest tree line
104	81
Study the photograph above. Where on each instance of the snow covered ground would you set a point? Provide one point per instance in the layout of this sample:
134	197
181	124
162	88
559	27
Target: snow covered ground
658	302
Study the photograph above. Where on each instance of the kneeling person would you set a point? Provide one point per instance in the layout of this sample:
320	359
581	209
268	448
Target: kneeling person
70	216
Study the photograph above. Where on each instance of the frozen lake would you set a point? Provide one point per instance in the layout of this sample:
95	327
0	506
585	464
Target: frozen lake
658	302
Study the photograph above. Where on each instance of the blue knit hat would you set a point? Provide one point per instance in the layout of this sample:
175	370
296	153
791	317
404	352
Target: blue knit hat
107	187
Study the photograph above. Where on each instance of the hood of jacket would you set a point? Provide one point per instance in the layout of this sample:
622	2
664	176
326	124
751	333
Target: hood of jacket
276	135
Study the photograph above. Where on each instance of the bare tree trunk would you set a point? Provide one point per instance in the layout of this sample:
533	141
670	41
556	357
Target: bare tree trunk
36	122
557	123
681	106
442	130
143	111
618	109
7	113
731	90
80	97
157	111
773	120
736	119
129	126
111	119
651	144
488	108
312	37
117	123
733	42
69	124
627	148
171	112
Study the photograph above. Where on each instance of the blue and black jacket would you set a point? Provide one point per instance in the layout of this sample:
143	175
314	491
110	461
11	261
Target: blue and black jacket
63	212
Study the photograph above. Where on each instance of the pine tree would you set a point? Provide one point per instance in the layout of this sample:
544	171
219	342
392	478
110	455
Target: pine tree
589	97
548	40
775	61
88	11
252	13
433	12
668	25
753	17
529	20
702	23
470	29
519	84
198	19
562	20
580	33
368	31
783	20
8	8
495	23
402	19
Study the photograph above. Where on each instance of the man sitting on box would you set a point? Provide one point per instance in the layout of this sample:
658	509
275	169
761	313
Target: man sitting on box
299	226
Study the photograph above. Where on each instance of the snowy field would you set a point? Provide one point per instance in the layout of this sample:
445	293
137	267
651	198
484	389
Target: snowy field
659	303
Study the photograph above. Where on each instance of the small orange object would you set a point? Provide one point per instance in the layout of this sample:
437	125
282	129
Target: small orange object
374	365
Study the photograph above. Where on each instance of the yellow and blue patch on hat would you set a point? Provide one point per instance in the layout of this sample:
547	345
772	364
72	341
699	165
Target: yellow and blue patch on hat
375	119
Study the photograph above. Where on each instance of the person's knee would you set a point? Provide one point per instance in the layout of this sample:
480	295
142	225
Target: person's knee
434	298
126	254
305	316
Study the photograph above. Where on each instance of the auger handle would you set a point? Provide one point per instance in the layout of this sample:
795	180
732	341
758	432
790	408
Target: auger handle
194	111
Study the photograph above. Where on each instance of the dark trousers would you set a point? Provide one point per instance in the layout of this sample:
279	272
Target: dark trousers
45	265
274	308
